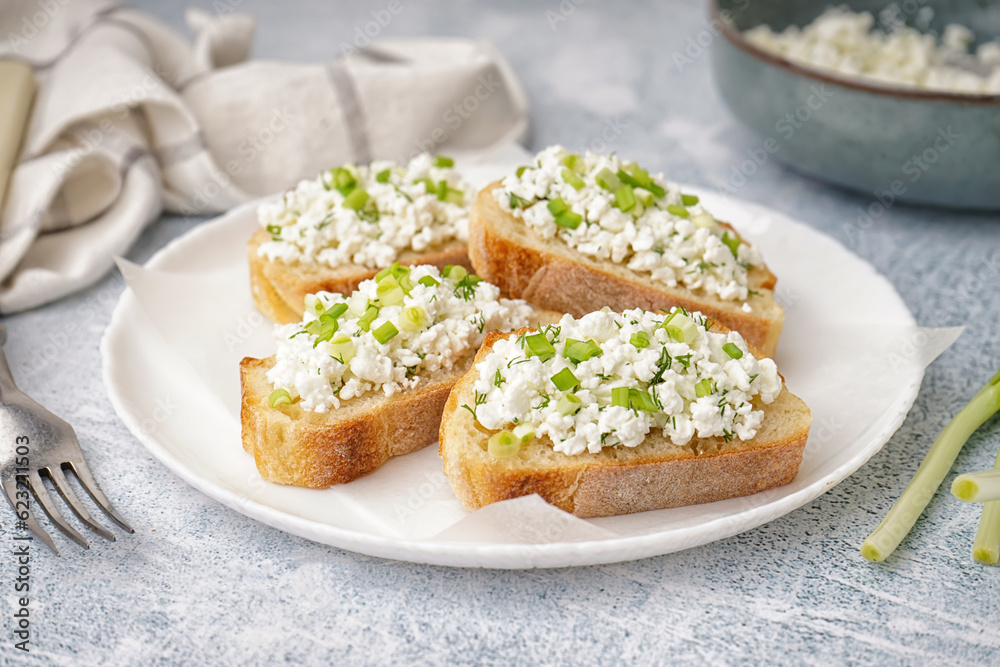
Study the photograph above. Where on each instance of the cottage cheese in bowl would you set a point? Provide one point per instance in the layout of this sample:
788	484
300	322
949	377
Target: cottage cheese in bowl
846	43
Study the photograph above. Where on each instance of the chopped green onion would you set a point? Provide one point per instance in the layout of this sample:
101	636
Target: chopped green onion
625	198
569	219
428	281
504	445
568	405
679	211
733	350
732	242
327	325
941	456
357	199
453	196
279	397
977	487
313	304
343	180
628	179
518	202
642	400
645	197
657	190
540	346
578	351
442	190
607	180
388	292
454	271
387	271
689	200
681	328
365	321
405	283
385	333
521	169
640	339
564	380
383	176
412	319
572	179
704	220
703	388
428	185
357	304
275	232
575	162
619	397
640	175
442	162
337	310
524	433
557	207
342	347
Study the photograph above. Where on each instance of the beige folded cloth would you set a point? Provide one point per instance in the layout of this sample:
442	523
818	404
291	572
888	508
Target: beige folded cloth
130	118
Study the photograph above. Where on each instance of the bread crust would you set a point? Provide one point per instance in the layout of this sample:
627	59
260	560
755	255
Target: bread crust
279	289
654	475
556	276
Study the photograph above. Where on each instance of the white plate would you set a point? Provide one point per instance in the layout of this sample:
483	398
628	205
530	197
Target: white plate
846	350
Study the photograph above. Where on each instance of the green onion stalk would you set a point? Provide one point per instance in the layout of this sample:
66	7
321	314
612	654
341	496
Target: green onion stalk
932	471
986	547
978	487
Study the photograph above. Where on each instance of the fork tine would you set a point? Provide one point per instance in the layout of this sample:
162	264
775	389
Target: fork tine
10	490
66	491
88	482
42	495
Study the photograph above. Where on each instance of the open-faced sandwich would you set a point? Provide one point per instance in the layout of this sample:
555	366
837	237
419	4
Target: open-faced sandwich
573	233
364	377
333	232
617	413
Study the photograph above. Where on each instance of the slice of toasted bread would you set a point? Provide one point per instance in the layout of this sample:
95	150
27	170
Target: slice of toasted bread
295	446
279	288
551	274
654	475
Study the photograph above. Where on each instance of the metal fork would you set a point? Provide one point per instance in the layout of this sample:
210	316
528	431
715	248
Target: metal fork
34	441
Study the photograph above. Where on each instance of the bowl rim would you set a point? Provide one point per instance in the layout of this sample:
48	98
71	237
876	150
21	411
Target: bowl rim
738	40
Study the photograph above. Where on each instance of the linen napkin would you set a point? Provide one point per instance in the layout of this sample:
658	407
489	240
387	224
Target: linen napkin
131	118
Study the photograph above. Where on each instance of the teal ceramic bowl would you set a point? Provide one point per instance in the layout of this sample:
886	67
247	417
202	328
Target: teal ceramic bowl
892	143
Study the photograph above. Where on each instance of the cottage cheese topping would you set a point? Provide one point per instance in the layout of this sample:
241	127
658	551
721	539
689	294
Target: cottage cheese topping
387	334
608	208
844	42
367	215
627	373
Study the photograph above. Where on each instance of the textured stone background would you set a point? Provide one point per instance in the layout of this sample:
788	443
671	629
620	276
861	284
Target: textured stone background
199	583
